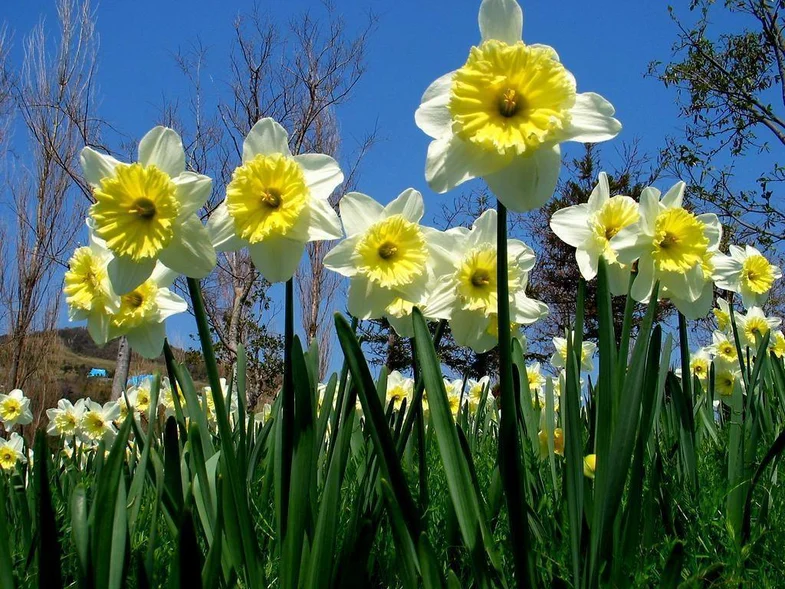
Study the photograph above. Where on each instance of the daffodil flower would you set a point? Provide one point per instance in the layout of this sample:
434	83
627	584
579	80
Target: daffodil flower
87	288
536	379
12	451
147	211
399	387
589	228
276	202
672	245
726	375
15	409
753	325
98	422
777	344
467	295
390	259
700	364
503	114
475	389
559	358
64	419
722	314
723	347
747	272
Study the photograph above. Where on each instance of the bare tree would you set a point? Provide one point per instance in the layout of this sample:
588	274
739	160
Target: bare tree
52	94
298	77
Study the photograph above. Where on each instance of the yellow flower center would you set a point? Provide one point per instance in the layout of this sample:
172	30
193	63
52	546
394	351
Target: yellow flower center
727	351
136	211
535	378
94	424
723	383
392	253
267	196
11	409
511	99
700	367
755	326
477	281
723	319
8	458
778	344
757	274
66	423
614	215
83	280
680	242
397	394
400	307
137	307
142	400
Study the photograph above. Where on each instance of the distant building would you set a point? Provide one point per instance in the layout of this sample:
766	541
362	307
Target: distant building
138	379
98	373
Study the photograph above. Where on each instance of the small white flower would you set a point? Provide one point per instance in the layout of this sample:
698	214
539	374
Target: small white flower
12	452
15	409
64	419
747	272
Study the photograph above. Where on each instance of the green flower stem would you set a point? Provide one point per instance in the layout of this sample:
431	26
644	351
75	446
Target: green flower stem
684	348
510	455
287	408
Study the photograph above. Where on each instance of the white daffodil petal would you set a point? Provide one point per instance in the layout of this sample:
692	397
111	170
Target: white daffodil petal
340	259
366	300
125	274
451	162
322	174
403	326
265	137
163	276
169	304
483	229
220	226
571	224
528	182
163	148
644	281
526	311
408	204
470	328
433	116
98	327
96	166
190	253
358	212
601	193
618	279
323	222
193	190
148	340
501	20
675	196
277	258
587	263
591	120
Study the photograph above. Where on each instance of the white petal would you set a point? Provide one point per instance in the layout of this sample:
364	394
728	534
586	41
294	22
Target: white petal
470	328
266	137
341	259
125	274
484	230
322	174
148	340
169	304
675	195
630	244
727	272
592	120
601	193
403	326
526	311
587	263
649	209
358	212
699	308
163	148
323	221
220	226
98	327
193	190
644	281
713	229
433	116
571	224
444	245
618	279
190	253
441	300
501	20
164	277
277	258
96	166
366	300
408	204
451	162
528	182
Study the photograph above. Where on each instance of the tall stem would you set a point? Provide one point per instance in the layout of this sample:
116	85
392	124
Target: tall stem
287	405
510	456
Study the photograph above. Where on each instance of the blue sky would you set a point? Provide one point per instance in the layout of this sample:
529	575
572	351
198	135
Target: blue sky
607	44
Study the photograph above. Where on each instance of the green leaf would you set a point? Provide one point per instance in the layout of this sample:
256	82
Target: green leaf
776	449
6	563
671	574
48	549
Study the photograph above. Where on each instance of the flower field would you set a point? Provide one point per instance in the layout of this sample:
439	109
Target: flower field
634	459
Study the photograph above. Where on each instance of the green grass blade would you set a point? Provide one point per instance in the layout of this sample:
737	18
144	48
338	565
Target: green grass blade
49	549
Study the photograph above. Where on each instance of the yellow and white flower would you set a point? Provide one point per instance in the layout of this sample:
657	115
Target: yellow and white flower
64	419
140	396
399	387
559	358
723	347
12	451
674	246
261	417
747	272
777	344
700	364
503	114
722	315
475	389
15	409
726	375
455	396
755	325
276	202
589	228
467	295
390	259
147	211
88	290
98	421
